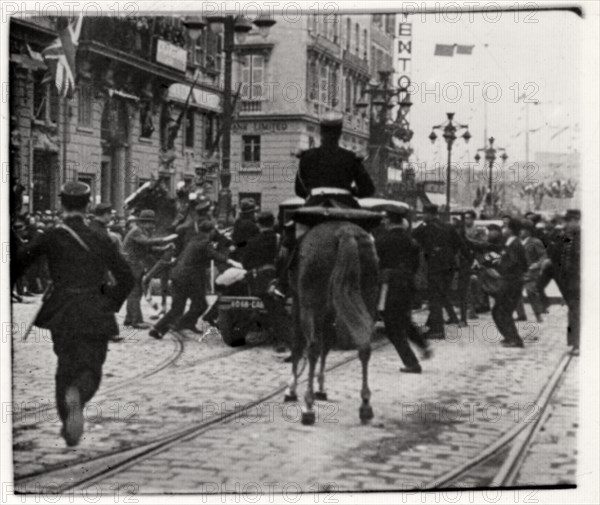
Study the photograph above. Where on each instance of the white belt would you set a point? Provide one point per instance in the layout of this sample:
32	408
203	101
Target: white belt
329	191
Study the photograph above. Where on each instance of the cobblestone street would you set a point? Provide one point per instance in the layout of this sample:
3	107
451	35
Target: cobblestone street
472	391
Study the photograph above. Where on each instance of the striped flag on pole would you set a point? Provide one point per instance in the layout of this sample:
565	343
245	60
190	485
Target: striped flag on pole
444	50
60	57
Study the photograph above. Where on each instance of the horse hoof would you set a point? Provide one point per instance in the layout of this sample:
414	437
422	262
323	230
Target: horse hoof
290	398
308	418
321	395
366	413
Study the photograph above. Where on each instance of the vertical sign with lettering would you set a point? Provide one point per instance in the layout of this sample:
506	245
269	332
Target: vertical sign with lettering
403	50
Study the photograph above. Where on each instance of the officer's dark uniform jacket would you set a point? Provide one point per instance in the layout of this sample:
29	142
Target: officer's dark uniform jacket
332	167
398	262
81	303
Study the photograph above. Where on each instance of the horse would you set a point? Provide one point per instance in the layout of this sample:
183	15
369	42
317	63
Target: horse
334	283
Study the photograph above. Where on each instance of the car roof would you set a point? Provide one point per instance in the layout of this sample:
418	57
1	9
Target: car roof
373	203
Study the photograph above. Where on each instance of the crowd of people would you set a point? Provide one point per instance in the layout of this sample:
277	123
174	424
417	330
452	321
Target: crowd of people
98	261
478	267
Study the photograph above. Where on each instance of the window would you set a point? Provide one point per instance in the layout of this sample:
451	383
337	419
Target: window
198	49
348	94
365	45
336	28
85	101
213	51
211	127
324	84
332	97
312	26
312	80
251	146
357	39
189	128
252	76
348	33
45	99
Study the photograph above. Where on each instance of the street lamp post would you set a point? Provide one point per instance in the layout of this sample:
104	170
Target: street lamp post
382	98
490	157
450	129
233	27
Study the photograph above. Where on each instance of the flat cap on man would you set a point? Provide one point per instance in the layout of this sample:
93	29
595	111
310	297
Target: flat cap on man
527	224
494	227
265	219
573	214
103	208
247	206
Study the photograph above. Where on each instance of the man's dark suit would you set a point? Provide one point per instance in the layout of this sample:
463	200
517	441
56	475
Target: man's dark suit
80	310
398	262
568	278
512	267
188	278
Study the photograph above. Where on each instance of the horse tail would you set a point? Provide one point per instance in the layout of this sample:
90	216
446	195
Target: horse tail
353	319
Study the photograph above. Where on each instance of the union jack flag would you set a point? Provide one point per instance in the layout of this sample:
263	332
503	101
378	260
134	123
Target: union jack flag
60	57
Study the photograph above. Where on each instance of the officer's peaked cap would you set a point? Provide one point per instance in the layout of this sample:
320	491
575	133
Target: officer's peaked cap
332	119
75	194
75	188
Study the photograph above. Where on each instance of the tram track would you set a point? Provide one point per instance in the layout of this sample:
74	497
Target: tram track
38	409
508	452
64	477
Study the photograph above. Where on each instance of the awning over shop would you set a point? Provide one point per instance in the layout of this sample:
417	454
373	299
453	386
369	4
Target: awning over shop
200	97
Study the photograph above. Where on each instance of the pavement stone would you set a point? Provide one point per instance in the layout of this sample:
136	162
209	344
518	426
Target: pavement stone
471	392
555	446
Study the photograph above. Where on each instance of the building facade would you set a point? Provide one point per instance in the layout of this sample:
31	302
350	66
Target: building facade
128	121
306	68
124	125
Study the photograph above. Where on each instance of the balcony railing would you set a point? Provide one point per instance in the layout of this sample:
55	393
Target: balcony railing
136	35
359	64
251	106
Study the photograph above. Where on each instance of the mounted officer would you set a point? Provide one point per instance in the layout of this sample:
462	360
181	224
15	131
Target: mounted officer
330	175
79	311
